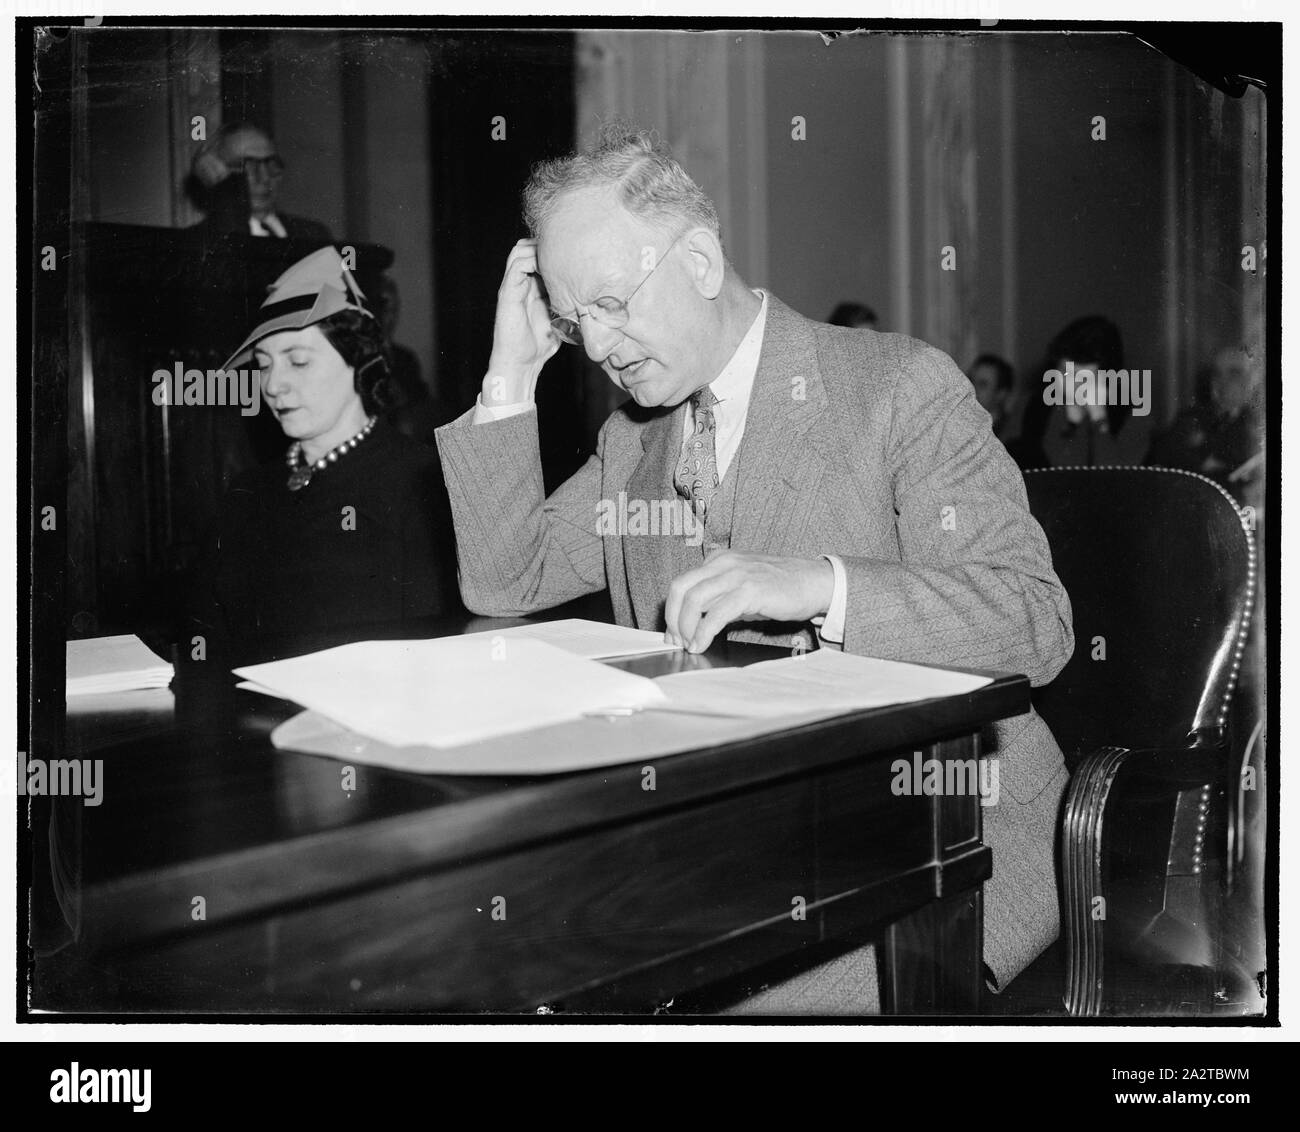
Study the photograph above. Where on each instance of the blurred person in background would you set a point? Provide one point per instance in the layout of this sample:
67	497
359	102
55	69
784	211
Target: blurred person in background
1221	435
235	178
994	381
1094	431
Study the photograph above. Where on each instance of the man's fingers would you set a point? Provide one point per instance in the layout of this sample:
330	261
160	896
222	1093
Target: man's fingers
521	264
536	304
723	610
673	605
744	587
519	279
709	593
677	591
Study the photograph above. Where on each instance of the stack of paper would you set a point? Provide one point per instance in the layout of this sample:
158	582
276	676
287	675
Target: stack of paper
824	681
113	664
451	690
703	709
595	640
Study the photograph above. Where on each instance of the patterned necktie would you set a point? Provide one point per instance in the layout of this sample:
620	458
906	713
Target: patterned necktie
696	478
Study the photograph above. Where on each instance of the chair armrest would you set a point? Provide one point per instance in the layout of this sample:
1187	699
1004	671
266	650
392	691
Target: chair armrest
1172	770
1196	764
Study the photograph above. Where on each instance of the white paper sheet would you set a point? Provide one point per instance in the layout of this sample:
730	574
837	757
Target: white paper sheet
579	744
451	690
113	664
823	680
595	640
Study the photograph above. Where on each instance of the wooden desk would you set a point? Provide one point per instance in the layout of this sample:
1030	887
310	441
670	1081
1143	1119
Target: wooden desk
608	897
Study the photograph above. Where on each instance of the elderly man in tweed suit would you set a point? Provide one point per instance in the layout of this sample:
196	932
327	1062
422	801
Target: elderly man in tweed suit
851	493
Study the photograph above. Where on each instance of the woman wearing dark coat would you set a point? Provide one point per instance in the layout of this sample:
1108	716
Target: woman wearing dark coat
351	529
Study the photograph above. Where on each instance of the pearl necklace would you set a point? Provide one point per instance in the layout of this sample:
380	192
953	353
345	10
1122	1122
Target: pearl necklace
300	475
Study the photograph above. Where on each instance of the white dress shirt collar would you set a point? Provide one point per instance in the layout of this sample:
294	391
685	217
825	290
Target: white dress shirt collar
268	225
736	380
733	388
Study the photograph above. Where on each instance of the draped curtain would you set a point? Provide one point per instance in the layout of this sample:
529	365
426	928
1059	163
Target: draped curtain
949	250
704	95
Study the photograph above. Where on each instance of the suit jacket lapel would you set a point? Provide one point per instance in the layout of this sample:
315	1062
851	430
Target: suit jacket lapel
780	460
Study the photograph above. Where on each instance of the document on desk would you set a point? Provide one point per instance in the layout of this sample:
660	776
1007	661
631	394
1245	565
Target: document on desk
694	711
451	690
107	665
595	640
825	680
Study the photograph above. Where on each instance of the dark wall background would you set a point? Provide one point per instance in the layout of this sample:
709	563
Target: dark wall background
518	87
1096	223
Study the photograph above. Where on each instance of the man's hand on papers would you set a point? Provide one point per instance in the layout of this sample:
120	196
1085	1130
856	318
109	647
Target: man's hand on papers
522	338
734	586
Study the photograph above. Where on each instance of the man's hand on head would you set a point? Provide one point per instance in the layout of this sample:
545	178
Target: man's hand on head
522	338
738	586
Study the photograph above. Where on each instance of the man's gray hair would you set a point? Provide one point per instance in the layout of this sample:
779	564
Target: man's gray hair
650	181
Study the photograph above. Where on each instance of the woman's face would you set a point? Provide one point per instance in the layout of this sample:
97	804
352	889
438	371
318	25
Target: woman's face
309	388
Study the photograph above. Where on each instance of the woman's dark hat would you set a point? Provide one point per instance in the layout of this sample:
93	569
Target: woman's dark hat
311	290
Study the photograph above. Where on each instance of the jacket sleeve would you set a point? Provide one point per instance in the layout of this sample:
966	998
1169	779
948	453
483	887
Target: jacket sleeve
975	587
518	551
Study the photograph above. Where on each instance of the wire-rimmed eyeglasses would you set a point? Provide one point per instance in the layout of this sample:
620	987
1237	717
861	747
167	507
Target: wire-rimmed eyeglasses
606	310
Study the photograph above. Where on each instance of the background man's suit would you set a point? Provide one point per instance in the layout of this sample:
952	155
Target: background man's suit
868	446
301	228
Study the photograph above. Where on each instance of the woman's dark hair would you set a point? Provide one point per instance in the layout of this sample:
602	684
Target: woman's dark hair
1093	338
852	314
359	340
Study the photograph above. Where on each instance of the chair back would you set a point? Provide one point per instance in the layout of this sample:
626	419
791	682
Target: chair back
1160	567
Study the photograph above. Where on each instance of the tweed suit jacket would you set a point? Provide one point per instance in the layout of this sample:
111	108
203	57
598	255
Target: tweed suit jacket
864	445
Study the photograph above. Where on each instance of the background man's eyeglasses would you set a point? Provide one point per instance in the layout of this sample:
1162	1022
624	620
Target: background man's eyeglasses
606	310
259	166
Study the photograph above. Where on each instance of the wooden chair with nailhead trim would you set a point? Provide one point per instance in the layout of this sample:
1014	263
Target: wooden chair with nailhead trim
1161	569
